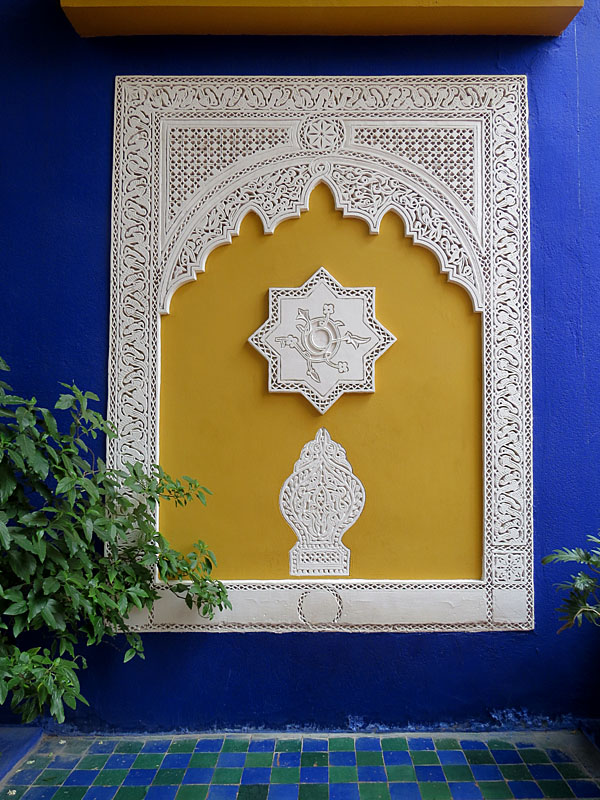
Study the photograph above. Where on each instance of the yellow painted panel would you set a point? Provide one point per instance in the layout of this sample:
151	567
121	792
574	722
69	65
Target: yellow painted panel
415	443
334	17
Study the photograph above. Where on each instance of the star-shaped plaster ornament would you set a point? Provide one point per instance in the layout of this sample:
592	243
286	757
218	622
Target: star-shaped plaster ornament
322	339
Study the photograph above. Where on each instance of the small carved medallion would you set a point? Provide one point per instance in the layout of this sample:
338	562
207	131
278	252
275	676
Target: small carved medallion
320	501
322	339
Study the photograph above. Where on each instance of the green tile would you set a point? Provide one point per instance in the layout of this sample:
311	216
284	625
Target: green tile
434	790
13	792
258	760
374	791
552	789
447	744
52	777
255	791
191	793
424	757
131	793
401	772
111	777
515	772
458	772
235	745
92	762
533	756
285	775
200	760
570	771
288	745
313	791
71	792
224	775
369	758
169	777
37	762
495	790
479	757
150	761
394	743
500	744
343	775
183	745
337	743
314	759
129	746
76	745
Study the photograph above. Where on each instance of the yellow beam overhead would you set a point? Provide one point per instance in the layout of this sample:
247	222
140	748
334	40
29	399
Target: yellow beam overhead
322	17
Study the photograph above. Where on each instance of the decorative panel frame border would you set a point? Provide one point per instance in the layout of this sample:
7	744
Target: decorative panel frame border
450	156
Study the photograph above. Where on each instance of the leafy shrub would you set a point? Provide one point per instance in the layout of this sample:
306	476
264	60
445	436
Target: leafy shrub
582	599
79	549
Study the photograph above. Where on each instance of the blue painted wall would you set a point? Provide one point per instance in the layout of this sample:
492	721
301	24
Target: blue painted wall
56	166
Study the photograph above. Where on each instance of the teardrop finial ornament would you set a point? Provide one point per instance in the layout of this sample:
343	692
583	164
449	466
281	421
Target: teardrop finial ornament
320	501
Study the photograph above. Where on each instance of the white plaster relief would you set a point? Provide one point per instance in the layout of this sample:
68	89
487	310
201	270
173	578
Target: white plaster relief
322	339
477	225
320	501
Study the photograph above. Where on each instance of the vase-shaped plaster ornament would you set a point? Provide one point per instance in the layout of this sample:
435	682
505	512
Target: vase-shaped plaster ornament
320	501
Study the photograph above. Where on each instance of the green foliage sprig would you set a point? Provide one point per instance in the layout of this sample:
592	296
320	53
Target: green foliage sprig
79	548
582	601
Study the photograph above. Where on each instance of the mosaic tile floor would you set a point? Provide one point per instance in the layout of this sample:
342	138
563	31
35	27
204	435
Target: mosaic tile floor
316	767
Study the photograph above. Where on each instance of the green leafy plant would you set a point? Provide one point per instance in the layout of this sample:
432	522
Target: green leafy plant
79	549
582	602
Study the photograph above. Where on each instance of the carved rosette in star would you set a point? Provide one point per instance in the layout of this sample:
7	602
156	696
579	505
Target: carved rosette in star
320	501
322	339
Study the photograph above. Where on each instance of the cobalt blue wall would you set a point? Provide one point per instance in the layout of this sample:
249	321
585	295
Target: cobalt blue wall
56	165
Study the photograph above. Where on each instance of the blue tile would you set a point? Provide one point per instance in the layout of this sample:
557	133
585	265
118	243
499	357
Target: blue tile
283	791
261	746
100	793
368	743
527	790
315	745
156	746
64	762
81	777
558	756
486	772
176	761
464	791
395	757
139	777
342	758
314	775
405	791
218	791
232	760
198	775
287	759
161	793
40	792
451	757
256	775
544	772
472	744
580	789
370	774
420	744
430	773
24	777
102	747
343	791
209	745
507	756
120	761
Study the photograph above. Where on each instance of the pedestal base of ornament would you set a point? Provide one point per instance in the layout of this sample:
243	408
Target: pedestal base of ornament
319	560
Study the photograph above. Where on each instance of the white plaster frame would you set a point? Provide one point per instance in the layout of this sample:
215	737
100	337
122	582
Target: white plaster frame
475	218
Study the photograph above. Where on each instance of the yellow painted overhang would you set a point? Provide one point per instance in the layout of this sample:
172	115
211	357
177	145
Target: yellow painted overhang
322	17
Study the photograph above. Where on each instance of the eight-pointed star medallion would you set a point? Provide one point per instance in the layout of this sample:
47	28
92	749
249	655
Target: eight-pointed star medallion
322	339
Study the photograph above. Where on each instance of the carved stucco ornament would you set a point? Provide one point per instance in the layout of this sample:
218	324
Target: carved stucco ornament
320	500
322	339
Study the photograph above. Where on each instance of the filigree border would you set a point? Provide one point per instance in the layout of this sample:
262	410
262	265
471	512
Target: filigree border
487	252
